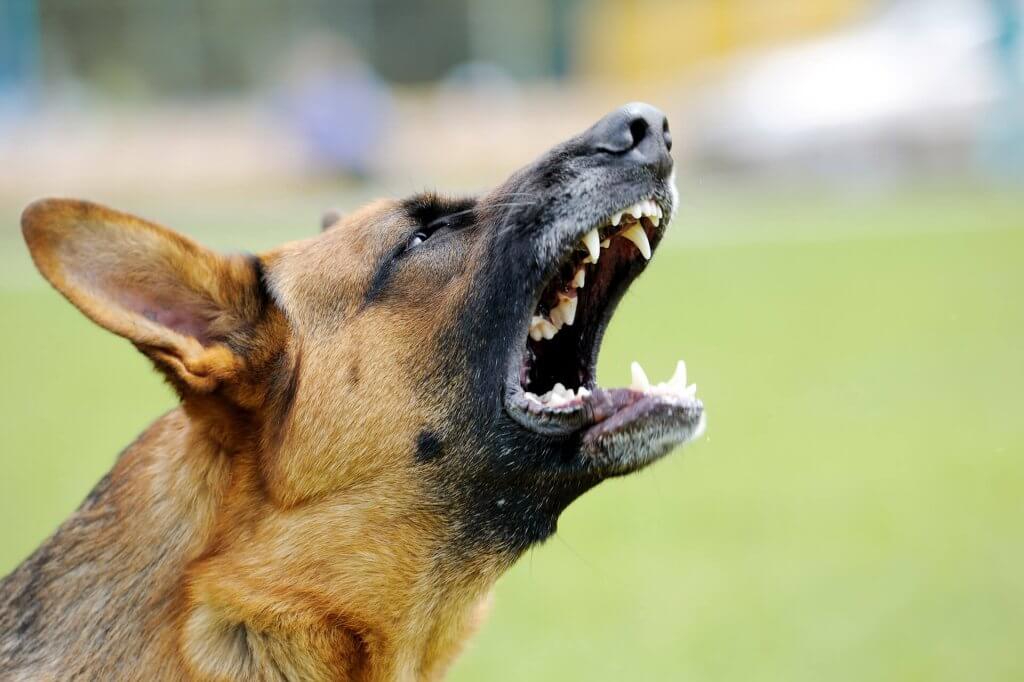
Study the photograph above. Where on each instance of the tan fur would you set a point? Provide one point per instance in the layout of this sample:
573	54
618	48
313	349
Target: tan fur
275	526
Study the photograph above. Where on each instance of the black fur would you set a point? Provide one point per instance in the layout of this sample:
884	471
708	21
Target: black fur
428	447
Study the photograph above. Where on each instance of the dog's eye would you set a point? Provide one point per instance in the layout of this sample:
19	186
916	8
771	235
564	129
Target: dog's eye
417	239
431	229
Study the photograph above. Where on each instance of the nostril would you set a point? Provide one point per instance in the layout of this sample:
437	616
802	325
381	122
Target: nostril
638	130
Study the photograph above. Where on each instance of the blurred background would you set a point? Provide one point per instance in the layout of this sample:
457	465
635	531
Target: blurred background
845	278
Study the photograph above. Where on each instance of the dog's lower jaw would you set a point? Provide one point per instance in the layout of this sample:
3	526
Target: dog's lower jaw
138	582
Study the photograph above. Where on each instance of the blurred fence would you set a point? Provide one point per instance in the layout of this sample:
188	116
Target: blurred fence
210	46
208	93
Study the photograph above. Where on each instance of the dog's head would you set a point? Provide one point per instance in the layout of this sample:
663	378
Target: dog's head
439	352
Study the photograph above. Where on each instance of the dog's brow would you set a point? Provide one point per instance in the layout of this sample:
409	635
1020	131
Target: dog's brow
425	207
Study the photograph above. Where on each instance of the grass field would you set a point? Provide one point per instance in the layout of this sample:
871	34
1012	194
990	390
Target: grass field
855	511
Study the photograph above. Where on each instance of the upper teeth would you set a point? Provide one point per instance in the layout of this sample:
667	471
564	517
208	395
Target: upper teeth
633	230
592	241
641	209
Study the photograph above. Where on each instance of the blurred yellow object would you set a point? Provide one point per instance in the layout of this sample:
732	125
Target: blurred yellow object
657	39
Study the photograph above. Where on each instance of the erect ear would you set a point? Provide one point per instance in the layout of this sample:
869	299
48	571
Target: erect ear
184	306
329	219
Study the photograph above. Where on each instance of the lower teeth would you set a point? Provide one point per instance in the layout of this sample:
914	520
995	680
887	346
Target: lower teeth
676	386
560	396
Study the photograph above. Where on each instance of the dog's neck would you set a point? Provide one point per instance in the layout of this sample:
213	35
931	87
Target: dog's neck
117	564
153	568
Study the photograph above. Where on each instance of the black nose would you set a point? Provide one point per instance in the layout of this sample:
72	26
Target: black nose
635	133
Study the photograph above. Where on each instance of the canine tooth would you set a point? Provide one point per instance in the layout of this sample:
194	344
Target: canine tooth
566	309
535	332
606	243
592	241
541	328
556	318
640	381
653	213
678	380
580	278
636	234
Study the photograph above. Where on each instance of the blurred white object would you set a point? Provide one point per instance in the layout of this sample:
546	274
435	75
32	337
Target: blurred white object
909	87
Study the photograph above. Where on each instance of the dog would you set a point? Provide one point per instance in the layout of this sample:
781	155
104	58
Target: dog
375	423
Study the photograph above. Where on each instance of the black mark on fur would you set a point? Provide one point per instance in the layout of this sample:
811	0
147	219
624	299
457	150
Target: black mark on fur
385	269
283	387
428	447
264	297
353	372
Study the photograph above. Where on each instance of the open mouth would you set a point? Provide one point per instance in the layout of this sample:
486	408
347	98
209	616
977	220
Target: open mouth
552	384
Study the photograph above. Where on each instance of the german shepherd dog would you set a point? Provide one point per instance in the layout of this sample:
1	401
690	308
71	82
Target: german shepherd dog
375	423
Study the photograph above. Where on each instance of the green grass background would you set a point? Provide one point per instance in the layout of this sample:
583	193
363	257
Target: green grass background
855	511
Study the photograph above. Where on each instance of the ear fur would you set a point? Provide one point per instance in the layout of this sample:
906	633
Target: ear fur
178	302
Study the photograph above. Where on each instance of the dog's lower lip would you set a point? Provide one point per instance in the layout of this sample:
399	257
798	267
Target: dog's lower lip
605	412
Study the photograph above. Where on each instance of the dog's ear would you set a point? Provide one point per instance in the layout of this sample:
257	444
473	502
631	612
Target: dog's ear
329	219
181	304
